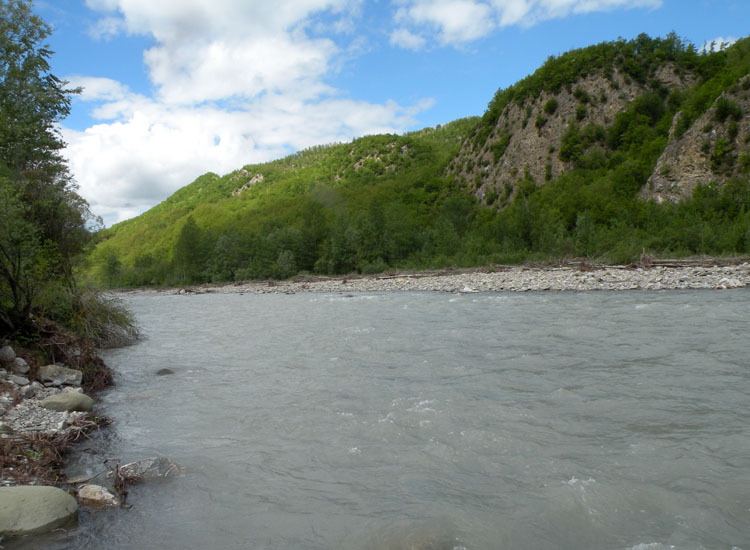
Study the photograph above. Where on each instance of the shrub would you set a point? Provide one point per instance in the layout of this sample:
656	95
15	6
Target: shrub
726	108
581	95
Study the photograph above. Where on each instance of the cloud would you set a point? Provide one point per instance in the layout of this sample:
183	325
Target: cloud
235	83
407	40
105	28
125	167
97	88
456	22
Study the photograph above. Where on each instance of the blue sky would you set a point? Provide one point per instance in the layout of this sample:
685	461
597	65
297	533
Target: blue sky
177	88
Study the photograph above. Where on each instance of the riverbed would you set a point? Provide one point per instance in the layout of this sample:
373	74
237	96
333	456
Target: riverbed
395	420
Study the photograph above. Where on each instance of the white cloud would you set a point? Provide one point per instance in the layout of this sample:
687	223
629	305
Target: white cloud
97	88
125	167
106	28
457	22
407	40
235	82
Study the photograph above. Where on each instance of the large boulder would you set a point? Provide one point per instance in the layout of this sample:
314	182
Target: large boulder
151	469
29	510
97	496
68	401
7	354
55	375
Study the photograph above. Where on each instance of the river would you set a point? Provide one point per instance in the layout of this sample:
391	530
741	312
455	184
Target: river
415	420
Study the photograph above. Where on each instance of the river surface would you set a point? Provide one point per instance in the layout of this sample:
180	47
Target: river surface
606	421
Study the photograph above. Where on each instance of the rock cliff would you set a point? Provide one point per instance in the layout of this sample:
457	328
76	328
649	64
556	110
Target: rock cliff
527	140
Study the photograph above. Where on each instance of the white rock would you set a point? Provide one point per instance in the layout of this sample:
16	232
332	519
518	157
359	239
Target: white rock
97	496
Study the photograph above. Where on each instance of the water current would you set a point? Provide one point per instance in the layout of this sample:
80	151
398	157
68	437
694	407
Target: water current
432	421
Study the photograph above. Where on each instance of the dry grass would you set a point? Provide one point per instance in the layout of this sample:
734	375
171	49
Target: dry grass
37	459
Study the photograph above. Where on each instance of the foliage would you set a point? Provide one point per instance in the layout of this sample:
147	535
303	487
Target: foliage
551	106
45	223
388	201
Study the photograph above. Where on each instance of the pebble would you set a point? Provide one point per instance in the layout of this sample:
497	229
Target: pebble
29	417
513	279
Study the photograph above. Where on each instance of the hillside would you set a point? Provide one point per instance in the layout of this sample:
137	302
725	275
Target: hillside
608	152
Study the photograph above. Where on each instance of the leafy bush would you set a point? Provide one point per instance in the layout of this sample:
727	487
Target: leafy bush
726	108
499	147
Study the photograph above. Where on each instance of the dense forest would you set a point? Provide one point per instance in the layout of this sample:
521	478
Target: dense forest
397	201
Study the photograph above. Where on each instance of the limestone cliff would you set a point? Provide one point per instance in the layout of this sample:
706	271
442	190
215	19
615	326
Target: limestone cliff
525	142
714	149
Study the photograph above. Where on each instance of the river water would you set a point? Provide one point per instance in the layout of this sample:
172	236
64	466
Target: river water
431	421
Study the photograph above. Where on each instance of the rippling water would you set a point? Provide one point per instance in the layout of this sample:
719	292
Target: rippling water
432	421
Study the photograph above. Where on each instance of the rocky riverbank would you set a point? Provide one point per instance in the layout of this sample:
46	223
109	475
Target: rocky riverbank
42	410
579	277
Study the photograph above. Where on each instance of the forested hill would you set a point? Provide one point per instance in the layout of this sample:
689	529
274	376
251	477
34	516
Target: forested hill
607	152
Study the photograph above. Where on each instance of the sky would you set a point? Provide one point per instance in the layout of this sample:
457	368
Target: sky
173	89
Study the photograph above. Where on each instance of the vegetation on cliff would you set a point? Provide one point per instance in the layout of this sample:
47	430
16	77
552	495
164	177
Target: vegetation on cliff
576	143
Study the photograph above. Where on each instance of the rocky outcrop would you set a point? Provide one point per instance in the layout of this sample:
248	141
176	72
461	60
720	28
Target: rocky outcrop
29	510
714	149
526	140
257	178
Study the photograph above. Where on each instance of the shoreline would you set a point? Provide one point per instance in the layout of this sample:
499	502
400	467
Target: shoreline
666	275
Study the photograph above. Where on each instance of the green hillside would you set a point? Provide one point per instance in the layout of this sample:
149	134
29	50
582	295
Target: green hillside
436	197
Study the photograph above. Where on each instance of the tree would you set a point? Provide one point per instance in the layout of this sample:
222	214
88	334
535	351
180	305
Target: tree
19	247
45	220
187	256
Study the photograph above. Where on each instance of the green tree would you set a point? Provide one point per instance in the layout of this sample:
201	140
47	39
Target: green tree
187	255
45	220
19	251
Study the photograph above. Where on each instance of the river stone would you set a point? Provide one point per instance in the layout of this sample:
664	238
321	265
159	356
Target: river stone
29	510
5	429
18	380
97	496
19	366
68	401
54	375
7	354
151	469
